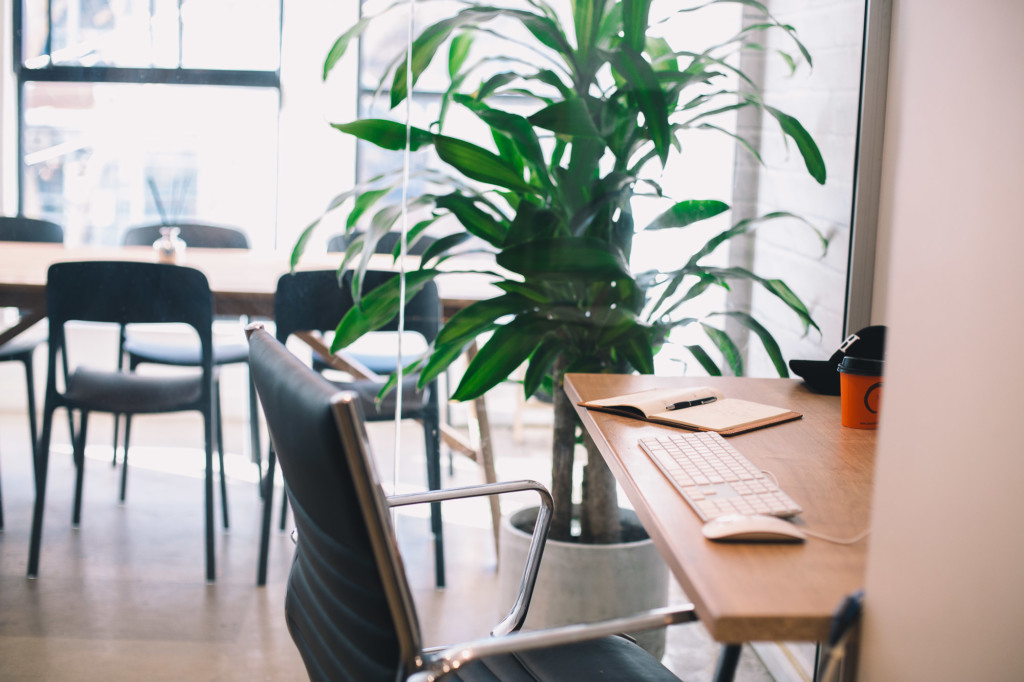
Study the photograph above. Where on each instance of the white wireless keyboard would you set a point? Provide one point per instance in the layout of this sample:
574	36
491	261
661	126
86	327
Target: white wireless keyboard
714	478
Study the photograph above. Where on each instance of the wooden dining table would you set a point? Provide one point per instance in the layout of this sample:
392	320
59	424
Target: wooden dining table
243	283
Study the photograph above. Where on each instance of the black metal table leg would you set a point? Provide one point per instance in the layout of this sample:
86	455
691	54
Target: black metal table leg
728	659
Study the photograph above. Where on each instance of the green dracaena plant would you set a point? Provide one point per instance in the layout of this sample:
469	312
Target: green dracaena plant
550	199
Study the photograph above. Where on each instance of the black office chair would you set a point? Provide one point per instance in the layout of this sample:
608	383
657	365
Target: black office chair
124	293
348	605
22	347
141	350
316	301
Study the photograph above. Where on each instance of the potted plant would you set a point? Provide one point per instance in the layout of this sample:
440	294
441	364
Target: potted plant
549	197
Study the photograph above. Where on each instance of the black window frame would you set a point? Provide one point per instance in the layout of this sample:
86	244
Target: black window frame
114	74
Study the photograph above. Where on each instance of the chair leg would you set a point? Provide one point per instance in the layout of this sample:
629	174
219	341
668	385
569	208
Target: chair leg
117	428
67	373
41	463
284	511
220	453
255	446
30	397
267	492
78	446
117	417
211	568
124	458
432	440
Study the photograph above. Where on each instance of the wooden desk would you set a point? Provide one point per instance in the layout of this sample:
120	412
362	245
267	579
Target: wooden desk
746	592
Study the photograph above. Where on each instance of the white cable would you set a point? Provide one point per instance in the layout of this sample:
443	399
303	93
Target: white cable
406	157
827	538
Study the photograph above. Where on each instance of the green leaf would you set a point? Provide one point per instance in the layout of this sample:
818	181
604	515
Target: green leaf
476	221
638	352
635	19
426	45
429	40
378	307
568	117
479	317
524	290
531	223
479	164
726	346
522	135
300	244
767	340
688	212
705	360
776	287
569	258
443	245
440	359
612	191
337	50
457	52
508	348
804	142
363	202
541	362
386	134
642	84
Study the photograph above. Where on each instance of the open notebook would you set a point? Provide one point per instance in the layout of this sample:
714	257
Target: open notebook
700	408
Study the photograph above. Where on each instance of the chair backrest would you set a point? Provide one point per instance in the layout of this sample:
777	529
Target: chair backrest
316	301
348	605
22	229
386	244
193	234
124	292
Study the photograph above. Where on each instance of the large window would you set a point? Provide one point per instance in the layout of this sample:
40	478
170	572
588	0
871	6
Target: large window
138	112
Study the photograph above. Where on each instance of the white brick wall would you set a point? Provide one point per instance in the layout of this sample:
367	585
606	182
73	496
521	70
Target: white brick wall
825	101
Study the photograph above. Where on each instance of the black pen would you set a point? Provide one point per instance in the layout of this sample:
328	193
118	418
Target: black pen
690	403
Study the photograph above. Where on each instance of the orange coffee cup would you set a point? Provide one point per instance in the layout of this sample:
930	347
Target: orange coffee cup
860	390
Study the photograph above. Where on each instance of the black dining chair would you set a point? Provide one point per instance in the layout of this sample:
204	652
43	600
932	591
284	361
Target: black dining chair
316	301
348	605
123	293
141	349
22	347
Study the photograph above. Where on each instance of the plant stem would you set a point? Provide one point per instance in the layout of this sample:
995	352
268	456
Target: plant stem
562	450
600	520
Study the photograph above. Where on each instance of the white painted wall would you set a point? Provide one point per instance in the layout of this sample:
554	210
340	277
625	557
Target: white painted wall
945	591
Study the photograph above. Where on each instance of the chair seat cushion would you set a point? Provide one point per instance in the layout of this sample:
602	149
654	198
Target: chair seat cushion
414	401
132	393
610	658
184	354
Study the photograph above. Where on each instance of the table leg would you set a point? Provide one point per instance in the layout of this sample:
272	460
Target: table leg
728	660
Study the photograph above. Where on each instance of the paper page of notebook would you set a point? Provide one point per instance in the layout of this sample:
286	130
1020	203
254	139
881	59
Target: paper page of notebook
655	400
723	414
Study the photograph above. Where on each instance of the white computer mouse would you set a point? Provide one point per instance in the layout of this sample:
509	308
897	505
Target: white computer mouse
752	528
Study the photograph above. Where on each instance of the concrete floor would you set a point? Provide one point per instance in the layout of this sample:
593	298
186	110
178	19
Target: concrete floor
124	596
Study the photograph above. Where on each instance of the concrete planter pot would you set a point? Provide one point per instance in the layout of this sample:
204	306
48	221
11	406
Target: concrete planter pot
580	583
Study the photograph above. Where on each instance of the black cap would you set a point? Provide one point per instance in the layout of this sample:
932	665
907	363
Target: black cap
821	375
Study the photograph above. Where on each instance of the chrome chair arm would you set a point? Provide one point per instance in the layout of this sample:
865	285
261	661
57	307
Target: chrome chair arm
517	613
440	662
